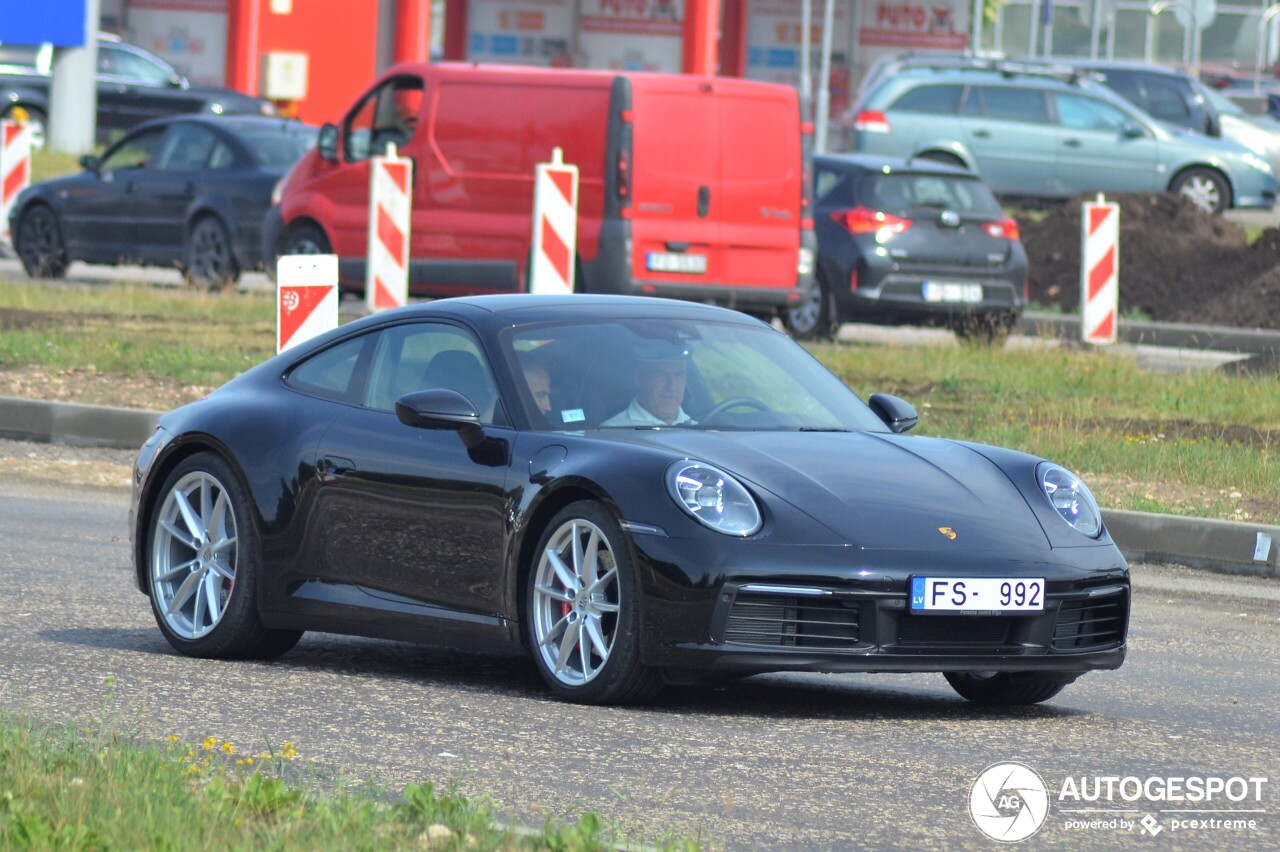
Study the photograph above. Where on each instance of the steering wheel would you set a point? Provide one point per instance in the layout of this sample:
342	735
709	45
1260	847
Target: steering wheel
737	402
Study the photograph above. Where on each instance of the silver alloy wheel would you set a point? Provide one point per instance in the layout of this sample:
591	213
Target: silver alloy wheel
194	554
576	598
1202	191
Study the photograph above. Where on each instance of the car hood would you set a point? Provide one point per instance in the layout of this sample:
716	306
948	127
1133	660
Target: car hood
875	490
231	101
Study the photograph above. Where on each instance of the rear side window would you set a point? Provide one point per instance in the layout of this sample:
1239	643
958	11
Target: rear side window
943	100
187	147
903	193
1014	104
334	373
831	188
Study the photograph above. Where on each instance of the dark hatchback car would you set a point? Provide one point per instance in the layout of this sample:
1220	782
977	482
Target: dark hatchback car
189	192
912	242
133	86
628	490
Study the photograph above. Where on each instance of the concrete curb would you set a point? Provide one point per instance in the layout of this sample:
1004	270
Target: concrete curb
1223	546
76	424
1250	341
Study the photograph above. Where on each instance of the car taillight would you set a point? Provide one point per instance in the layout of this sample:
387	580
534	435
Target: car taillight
853	280
871	121
1005	229
864	220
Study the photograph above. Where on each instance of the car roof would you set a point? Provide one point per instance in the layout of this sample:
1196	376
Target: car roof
231	122
1026	76
888	165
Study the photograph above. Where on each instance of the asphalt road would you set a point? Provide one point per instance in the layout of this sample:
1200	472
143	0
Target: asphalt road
780	761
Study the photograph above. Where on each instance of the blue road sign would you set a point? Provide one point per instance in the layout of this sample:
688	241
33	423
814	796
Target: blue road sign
61	22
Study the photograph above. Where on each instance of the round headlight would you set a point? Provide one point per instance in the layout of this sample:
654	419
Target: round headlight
714	498
1070	498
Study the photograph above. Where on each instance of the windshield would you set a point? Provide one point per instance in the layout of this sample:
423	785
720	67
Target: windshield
282	147
648	373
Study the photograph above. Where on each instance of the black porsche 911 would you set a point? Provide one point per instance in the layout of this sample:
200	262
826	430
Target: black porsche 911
630	490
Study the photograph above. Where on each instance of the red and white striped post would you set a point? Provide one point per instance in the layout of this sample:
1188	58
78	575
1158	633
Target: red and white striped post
1099	271
15	169
306	297
555	225
390	211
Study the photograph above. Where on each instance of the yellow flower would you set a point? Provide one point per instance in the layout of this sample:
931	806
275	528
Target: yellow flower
240	762
172	738
248	760
210	743
228	748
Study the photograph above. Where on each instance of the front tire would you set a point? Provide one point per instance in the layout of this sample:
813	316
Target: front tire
210	263
1007	688
583	616
39	244
1205	188
202	566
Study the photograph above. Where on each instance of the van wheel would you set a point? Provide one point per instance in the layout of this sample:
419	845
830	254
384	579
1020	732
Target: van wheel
813	317
305	239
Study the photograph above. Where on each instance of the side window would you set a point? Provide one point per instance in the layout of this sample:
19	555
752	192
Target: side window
387	114
1015	104
830	187
118	62
1081	113
426	356
937	100
134	152
186	147
335	372
221	158
1167	102
972	104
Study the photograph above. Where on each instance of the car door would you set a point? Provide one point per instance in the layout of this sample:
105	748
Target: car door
163	192
1013	141
1104	148
410	514
98	218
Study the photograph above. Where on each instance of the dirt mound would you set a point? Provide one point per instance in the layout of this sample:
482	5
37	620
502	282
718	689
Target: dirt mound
1177	264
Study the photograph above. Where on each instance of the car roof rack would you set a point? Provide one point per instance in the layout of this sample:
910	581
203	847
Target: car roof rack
999	65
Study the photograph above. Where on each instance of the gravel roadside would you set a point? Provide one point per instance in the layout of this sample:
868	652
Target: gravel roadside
68	465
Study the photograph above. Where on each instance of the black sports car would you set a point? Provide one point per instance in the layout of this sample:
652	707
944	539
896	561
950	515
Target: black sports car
189	192
629	490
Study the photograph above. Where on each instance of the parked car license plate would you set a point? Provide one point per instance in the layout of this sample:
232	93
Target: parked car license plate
977	594
948	291
665	261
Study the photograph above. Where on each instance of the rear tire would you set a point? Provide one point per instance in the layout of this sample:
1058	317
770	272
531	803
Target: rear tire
210	262
984	329
202	565
814	318
39	244
1006	688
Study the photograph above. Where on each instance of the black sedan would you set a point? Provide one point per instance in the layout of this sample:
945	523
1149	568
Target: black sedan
911	242
630	490
189	192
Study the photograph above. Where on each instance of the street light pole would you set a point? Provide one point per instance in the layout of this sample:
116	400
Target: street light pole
1267	16
1190	34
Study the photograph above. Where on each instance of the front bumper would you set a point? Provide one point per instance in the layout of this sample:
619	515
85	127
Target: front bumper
800	614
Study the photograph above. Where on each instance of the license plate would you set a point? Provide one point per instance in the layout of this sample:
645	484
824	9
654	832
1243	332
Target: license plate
664	261
977	594
947	291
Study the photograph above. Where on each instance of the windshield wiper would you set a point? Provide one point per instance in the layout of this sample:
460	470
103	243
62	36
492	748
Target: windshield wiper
822	429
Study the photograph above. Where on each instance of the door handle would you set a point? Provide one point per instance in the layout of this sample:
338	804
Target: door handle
982	134
331	468
704	201
1072	143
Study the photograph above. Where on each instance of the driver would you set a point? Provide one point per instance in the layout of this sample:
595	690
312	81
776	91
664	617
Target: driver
661	370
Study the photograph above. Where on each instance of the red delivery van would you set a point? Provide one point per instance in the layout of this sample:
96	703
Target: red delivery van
690	187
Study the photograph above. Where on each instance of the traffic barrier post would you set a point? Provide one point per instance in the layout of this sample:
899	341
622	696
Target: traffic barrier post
555	226
1099	271
306	297
15	169
390	211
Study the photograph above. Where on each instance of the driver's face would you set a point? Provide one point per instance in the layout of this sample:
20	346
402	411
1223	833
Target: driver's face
660	388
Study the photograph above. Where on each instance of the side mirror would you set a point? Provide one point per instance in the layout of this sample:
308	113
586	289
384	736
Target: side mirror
327	143
442	409
90	163
897	414
177	81
1132	130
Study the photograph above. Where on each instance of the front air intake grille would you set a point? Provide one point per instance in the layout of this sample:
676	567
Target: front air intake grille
1090	624
791	622
947	630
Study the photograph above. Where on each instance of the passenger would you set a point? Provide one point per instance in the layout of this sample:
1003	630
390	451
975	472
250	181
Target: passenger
539	386
660	376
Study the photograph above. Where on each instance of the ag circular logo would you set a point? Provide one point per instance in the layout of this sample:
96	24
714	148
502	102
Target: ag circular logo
1009	802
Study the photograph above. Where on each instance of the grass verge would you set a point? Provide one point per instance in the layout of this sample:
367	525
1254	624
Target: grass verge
63	788
1200	444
